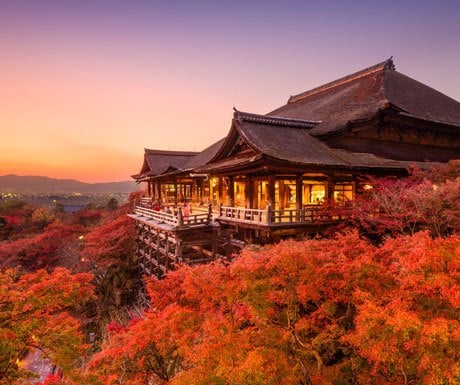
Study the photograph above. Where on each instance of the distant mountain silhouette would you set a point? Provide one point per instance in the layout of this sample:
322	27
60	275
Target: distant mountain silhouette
43	184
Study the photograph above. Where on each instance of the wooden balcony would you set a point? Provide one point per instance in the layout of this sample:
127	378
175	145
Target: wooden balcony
171	221
312	214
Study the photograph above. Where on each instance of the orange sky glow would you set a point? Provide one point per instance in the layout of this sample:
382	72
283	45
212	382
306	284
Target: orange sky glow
85	86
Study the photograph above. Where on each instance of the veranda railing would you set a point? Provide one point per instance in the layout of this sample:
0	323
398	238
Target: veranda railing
174	220
308	214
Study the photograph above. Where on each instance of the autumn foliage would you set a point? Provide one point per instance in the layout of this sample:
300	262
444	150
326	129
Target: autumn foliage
111	243
338	311
375	305
37	310
55	246
44	307
427	200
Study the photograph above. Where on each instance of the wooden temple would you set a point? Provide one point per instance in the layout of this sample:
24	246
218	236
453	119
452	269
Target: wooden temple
275	175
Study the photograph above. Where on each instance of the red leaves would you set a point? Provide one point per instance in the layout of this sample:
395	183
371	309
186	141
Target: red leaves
52	379
110	243
45	250
33	313
427	200
319	311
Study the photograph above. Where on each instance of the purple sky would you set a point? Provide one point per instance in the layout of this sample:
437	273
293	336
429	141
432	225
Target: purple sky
86	85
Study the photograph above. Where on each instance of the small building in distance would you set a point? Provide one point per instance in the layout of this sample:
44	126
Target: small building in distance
272	175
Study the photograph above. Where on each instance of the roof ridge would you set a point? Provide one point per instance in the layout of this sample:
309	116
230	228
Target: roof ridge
387	64
241	117
170	152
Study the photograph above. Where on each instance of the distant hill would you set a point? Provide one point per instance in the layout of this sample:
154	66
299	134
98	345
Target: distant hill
43	184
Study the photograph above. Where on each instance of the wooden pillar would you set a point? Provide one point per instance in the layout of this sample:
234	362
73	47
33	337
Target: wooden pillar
167	253
249	192
210	211
175	191
271	191
180	217
149	188
330	189
281	194
215	236
231	191
269	214
158	254
194	191
178	252
228	246
298	192
298	196
154	191
220	190
159	191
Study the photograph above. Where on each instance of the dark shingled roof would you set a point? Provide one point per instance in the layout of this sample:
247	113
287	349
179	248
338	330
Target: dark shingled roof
297	145
361	95
157	162
228	163
279	139
294	132
204	156
292	143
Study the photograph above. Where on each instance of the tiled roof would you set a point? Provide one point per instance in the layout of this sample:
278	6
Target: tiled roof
360	96
296	146
294	133
277	138
157	162
204	156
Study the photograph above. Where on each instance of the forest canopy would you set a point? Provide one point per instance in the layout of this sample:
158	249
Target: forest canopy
374	303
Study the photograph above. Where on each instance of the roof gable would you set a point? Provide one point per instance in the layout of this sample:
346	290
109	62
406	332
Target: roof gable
239	142
285	139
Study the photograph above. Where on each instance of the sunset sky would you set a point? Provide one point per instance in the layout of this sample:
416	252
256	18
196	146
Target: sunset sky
86	85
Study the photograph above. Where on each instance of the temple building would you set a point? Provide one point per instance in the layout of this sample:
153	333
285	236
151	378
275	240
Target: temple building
273	175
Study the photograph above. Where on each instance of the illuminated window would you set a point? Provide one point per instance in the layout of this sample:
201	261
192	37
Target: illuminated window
313	192
343	192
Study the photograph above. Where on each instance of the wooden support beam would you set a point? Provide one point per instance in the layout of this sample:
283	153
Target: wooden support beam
220	190
166	259
281	194
159	192
154	191
175	191
228	246
215	234
158	253
271	190
330	188
231	191
298	196
249	192
178	252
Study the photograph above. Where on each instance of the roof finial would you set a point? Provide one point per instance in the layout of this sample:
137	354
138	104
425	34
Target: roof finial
390	64
236	115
